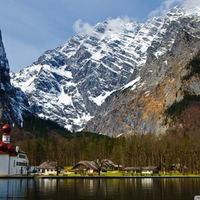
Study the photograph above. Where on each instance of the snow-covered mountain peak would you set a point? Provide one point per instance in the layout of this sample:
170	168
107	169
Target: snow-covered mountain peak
68	84
191	8
13	102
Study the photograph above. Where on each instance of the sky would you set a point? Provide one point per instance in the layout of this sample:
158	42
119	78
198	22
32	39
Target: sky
29	28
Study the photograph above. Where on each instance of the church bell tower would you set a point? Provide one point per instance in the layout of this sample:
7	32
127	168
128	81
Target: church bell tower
6	133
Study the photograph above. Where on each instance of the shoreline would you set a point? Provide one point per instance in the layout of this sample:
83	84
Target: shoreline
96	177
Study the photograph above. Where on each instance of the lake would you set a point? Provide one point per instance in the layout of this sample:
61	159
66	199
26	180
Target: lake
100	188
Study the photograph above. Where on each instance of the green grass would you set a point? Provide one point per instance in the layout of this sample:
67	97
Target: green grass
117	173
112	173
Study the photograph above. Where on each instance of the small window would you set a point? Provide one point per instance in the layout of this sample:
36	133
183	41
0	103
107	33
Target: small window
22	156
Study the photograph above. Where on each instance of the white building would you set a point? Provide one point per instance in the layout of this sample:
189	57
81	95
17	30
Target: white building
13	161
48	168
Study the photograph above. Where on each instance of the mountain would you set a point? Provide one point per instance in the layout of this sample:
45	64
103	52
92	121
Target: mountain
68	84
118	78
13	102
166	94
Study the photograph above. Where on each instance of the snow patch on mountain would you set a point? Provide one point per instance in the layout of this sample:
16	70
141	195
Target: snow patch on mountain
13	102
68	84
192	7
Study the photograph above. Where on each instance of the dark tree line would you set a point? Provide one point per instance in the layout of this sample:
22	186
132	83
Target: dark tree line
145	150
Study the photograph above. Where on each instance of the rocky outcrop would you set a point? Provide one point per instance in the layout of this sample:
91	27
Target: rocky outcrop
141	108
13	102
69	84
142	65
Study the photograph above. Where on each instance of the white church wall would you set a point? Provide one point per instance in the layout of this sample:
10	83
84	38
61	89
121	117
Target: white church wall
4	166
18	164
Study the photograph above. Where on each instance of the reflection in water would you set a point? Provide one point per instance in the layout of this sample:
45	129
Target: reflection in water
147	183
113	188
11	189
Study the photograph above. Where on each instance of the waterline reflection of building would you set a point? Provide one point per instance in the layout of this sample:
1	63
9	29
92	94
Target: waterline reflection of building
147	183
13	188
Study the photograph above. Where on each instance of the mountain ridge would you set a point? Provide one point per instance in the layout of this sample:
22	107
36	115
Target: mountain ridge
88	77
141	108
69	84
13	102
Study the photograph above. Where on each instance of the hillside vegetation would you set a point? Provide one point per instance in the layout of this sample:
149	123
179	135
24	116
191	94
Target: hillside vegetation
137	150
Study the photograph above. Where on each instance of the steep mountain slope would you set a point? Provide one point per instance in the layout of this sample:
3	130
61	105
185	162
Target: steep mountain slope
165	94
13	102
69	84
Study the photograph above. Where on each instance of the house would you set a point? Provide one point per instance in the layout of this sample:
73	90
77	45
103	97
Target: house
145	170
48	168
133	169
12	160
178	167
149	170
95	166
89	166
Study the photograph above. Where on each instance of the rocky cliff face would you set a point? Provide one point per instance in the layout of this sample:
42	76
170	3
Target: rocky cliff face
68	84
164	80
141	65
13	102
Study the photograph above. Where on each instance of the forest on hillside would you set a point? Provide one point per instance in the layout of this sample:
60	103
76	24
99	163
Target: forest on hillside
144	150
44	140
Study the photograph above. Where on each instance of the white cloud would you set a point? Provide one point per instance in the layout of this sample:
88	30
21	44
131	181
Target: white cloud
165	7
117	24
82	27
194	2
191	4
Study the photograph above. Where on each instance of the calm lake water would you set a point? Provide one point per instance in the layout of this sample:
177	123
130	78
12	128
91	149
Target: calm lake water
101	189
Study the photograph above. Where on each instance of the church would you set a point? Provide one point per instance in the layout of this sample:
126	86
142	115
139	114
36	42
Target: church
13	161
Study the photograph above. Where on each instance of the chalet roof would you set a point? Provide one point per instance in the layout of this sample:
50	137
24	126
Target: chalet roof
87	164
47	165
150	167
144	168
132	168
109	163
94	164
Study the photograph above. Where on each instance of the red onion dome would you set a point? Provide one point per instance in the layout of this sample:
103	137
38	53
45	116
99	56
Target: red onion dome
3	146
6	128
11	149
